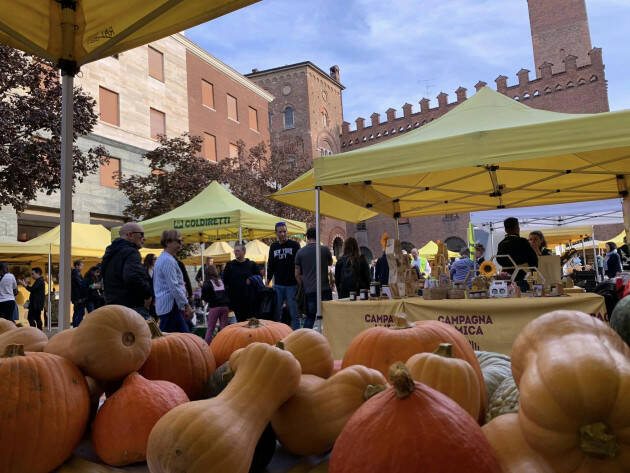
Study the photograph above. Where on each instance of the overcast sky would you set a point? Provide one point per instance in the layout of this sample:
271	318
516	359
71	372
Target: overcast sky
397	51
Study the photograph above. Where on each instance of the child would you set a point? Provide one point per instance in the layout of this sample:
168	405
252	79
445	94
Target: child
214	294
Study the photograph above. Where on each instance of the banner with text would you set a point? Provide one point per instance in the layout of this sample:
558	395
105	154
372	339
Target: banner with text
488	324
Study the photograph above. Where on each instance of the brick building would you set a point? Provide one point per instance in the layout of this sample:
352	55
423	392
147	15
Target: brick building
170	86
570	78
306	119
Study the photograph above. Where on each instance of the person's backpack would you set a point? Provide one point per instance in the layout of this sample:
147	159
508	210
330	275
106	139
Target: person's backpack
349	280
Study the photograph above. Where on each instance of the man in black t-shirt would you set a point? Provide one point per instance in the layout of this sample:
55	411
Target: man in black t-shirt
517	247
281	268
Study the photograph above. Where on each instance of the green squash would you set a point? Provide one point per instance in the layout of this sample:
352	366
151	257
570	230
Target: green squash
495	367
620	319
504	399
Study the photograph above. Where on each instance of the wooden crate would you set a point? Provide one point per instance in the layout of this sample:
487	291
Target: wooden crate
435	293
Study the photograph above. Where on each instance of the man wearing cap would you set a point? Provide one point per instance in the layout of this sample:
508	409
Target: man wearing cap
281	268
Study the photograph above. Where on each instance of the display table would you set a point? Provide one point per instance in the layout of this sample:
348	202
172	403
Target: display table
488	324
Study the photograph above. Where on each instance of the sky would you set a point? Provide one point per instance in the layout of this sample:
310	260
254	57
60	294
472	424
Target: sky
397	51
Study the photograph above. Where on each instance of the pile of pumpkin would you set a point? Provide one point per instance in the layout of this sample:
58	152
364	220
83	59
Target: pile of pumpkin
404	399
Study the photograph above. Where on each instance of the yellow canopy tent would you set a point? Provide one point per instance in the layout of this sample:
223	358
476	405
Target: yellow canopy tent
561	235
618	240
73	33
219	251
257	251
429	251
214	215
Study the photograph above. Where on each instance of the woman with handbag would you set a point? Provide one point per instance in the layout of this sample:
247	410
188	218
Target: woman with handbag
8	291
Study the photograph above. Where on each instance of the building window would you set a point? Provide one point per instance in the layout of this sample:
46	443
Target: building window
207	94
209	147
324	118
253	119
361	226
110	172
158	123
108	104
269	117
156	64
232	105
233	150
288	118
292	162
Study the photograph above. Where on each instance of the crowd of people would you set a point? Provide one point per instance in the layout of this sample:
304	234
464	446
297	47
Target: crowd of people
160	287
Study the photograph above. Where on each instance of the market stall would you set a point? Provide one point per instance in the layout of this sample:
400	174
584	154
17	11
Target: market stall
489	325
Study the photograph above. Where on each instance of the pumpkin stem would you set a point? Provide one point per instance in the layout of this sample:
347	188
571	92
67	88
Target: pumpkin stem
254	323
597	442
401	380
155	330
373	390
13	350
402	322
280	344
445	350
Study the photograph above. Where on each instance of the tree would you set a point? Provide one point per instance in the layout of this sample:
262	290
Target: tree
256	173
177	174
30	129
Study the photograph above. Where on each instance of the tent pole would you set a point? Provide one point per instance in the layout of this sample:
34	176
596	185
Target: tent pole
397	228
65	223
240	234
584	252
318	258
594	254
203	272
50	285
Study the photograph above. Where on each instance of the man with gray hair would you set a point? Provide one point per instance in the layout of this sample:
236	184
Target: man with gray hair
125	281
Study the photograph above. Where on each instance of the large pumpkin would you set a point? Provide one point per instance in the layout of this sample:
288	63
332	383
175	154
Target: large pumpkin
411	428
312	350
122	425
220	434
452	377
310	422
495	367
111	342
6	325
511	449
241	334
573	374
181	358
44	410
61	343
33	339
379	347
620	319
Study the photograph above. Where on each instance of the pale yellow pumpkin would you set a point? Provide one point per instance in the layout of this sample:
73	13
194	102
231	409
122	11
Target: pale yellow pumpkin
312	350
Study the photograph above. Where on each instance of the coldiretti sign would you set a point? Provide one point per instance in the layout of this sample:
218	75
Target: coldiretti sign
200	222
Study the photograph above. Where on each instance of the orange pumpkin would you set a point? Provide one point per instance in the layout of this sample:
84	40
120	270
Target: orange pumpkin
379	347
111	342
181	358
453	377
511	449
61	344
33	339
312	350
241	334
121	429
573	374
44	398
411	427
6	325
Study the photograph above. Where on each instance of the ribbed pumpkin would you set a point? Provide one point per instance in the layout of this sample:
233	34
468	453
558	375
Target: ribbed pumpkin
452	377
61	344
573	374
310	422
181	358
111	343
6	325
504	399
495	367
411	427
312	350
33	339
44	397
379	347
241	334
220	434
80	465
512	451
121	429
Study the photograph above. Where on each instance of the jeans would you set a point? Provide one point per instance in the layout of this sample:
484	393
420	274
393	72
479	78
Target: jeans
311	304
79	312
286	293
173	321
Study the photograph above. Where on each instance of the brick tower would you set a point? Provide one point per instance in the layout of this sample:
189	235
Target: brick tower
559	28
